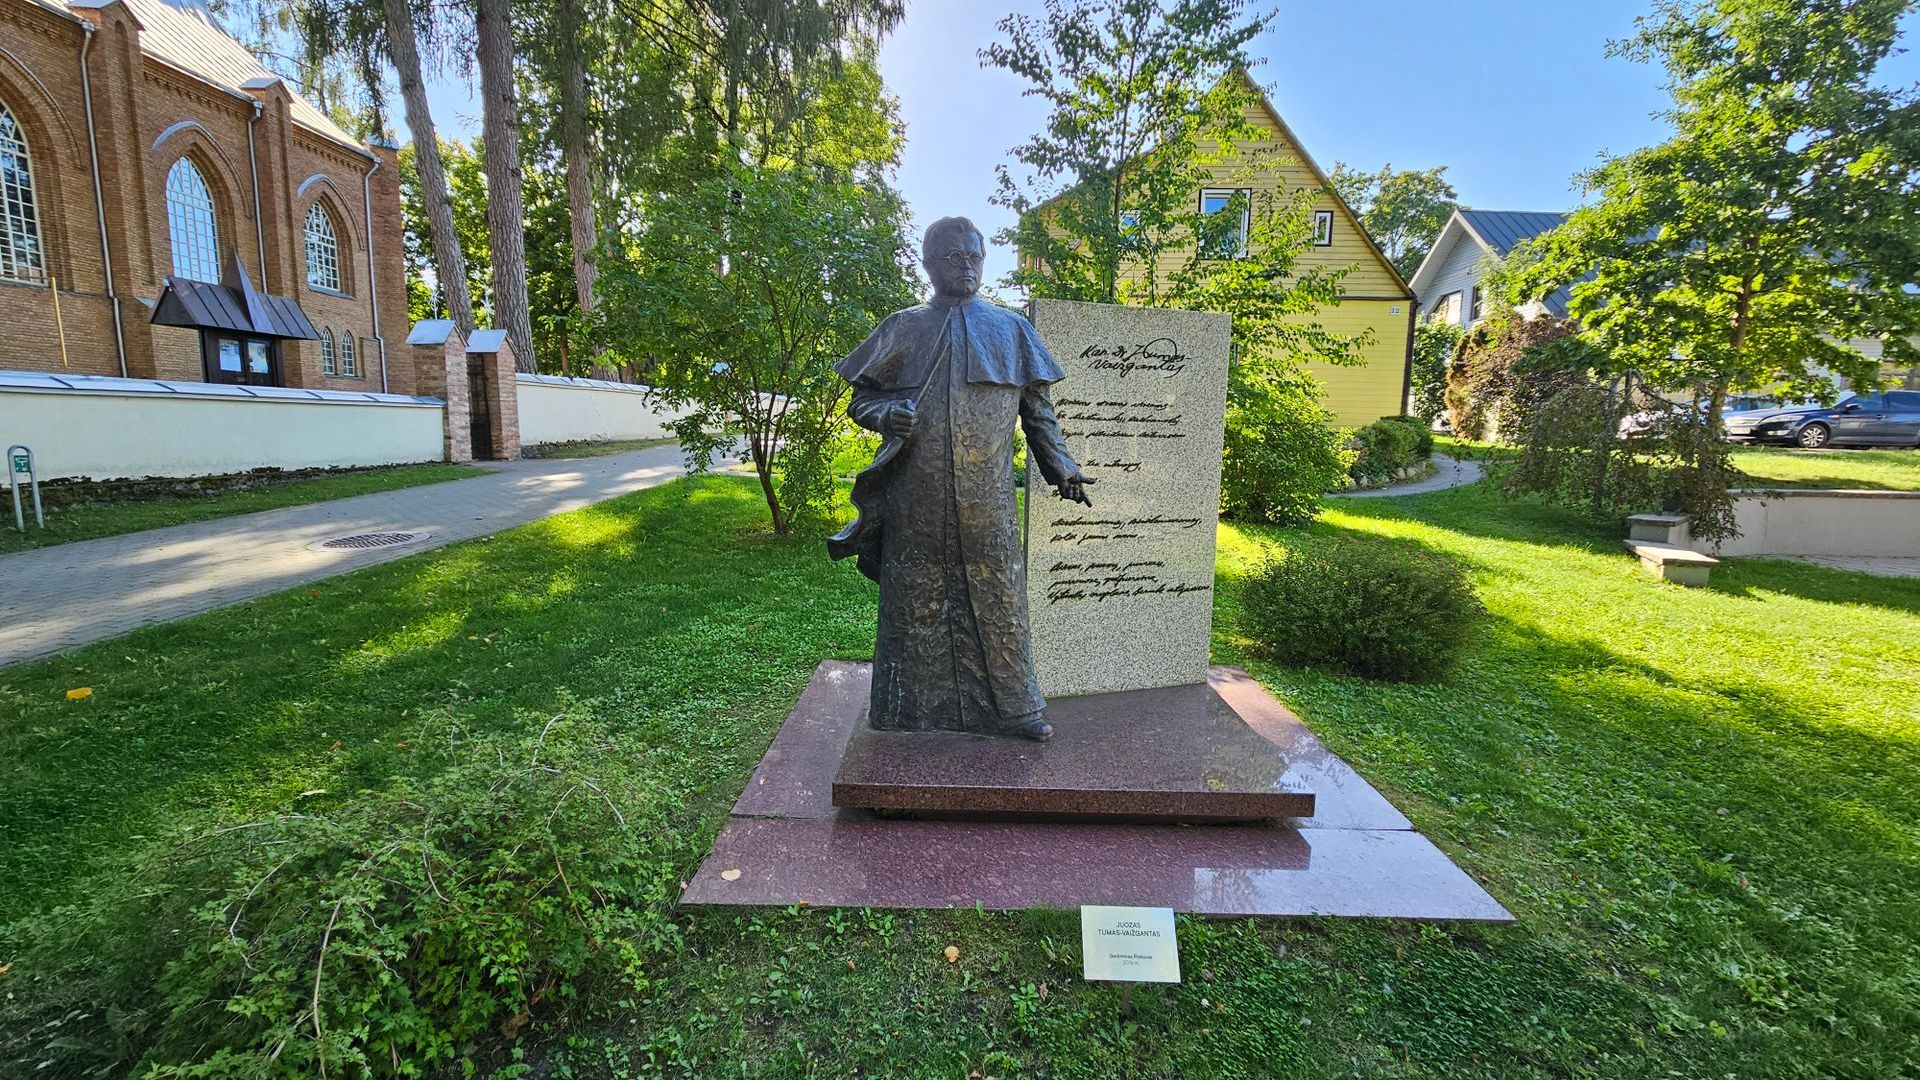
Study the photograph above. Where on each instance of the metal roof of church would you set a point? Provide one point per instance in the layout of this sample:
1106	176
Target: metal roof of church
185	34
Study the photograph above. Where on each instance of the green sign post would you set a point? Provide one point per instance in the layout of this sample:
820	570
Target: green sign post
22	459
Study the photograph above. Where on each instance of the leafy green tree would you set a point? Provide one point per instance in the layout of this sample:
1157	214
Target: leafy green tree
1281	451
1777	225
744	72
1402	210
428	296
553	296
1434	344
738	295
1152	103
1149	104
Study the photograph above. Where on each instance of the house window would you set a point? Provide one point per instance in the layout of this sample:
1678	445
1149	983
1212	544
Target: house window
349	364
190	224
323	250
1446	310
1474	312
326	353
1226	241
20	258
1129	221
1323	228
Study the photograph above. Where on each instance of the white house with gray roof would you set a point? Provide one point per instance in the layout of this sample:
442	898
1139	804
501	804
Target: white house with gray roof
1449	281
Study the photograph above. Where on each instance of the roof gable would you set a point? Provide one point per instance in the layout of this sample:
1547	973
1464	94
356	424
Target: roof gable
1291	143
1452	234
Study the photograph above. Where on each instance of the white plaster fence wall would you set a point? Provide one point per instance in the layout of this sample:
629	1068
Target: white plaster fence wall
1824	522
108	429
555	409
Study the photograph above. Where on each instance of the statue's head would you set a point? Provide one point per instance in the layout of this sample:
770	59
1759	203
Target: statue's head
954	253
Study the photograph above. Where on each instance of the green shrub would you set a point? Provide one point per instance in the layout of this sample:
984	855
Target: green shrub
394	932
1388	445
1422	434
1282	451
1434	344
1386	612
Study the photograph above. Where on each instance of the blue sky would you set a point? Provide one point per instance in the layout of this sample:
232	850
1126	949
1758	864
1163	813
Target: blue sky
1513	97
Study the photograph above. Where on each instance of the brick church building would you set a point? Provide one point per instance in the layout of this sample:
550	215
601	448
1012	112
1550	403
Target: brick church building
140	144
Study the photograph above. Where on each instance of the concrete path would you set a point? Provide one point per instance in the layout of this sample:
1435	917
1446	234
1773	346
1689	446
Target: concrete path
1877	565
55	598
1451	473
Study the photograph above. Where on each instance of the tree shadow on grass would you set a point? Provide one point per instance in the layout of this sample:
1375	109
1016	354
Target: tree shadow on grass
681	622
1691	821
1758	577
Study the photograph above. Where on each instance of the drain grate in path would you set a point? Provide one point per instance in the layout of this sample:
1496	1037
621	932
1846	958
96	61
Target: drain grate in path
362	541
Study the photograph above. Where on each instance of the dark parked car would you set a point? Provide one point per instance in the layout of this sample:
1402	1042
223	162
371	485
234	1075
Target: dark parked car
1885	419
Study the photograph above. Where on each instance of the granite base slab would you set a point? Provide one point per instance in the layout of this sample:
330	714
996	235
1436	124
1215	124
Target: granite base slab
1169	754
786	843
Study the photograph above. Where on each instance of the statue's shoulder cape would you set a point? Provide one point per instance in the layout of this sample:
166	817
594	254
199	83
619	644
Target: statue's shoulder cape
1002	347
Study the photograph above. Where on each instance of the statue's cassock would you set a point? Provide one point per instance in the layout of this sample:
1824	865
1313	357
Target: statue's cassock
937	526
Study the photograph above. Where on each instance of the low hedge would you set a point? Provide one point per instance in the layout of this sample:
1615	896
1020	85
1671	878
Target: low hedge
1387	446
1388	612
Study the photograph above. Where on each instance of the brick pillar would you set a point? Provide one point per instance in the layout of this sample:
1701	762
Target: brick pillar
491	351
438	356
138	239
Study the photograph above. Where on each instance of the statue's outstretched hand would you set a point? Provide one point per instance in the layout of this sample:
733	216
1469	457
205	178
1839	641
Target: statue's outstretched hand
900	420
1073	489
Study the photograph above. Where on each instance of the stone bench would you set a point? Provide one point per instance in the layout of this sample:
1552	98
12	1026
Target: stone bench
1659	528
1671	562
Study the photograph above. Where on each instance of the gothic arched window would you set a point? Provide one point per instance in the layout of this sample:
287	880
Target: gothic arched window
323	250
20	255
190	224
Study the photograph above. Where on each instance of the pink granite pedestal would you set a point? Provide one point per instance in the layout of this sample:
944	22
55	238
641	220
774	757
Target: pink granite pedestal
786	843
1175	754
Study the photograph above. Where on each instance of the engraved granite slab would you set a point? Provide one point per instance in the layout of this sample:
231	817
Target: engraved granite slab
1120	596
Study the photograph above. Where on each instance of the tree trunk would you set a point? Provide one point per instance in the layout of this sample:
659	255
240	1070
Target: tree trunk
449	262
763	468
506	213
578	152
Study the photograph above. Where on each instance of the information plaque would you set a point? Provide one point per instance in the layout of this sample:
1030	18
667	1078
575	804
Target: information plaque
1129	944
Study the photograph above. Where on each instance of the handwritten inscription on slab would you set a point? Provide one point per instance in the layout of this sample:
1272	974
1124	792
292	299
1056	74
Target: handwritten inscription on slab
1120	594
1128	944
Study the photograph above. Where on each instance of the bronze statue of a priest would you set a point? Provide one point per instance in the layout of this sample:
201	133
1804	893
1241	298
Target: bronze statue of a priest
944	383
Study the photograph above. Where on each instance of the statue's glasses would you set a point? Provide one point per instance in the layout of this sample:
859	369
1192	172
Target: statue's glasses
959	259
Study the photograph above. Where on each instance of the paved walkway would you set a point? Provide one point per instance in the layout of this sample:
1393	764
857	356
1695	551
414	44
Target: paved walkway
1451	473
55	598
1877	565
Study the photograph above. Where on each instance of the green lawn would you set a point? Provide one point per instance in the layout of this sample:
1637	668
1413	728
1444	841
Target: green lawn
589	448
1885	470
1700	804
113	516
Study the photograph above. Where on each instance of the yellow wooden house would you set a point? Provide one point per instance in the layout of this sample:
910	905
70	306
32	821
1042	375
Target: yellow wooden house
1377	299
